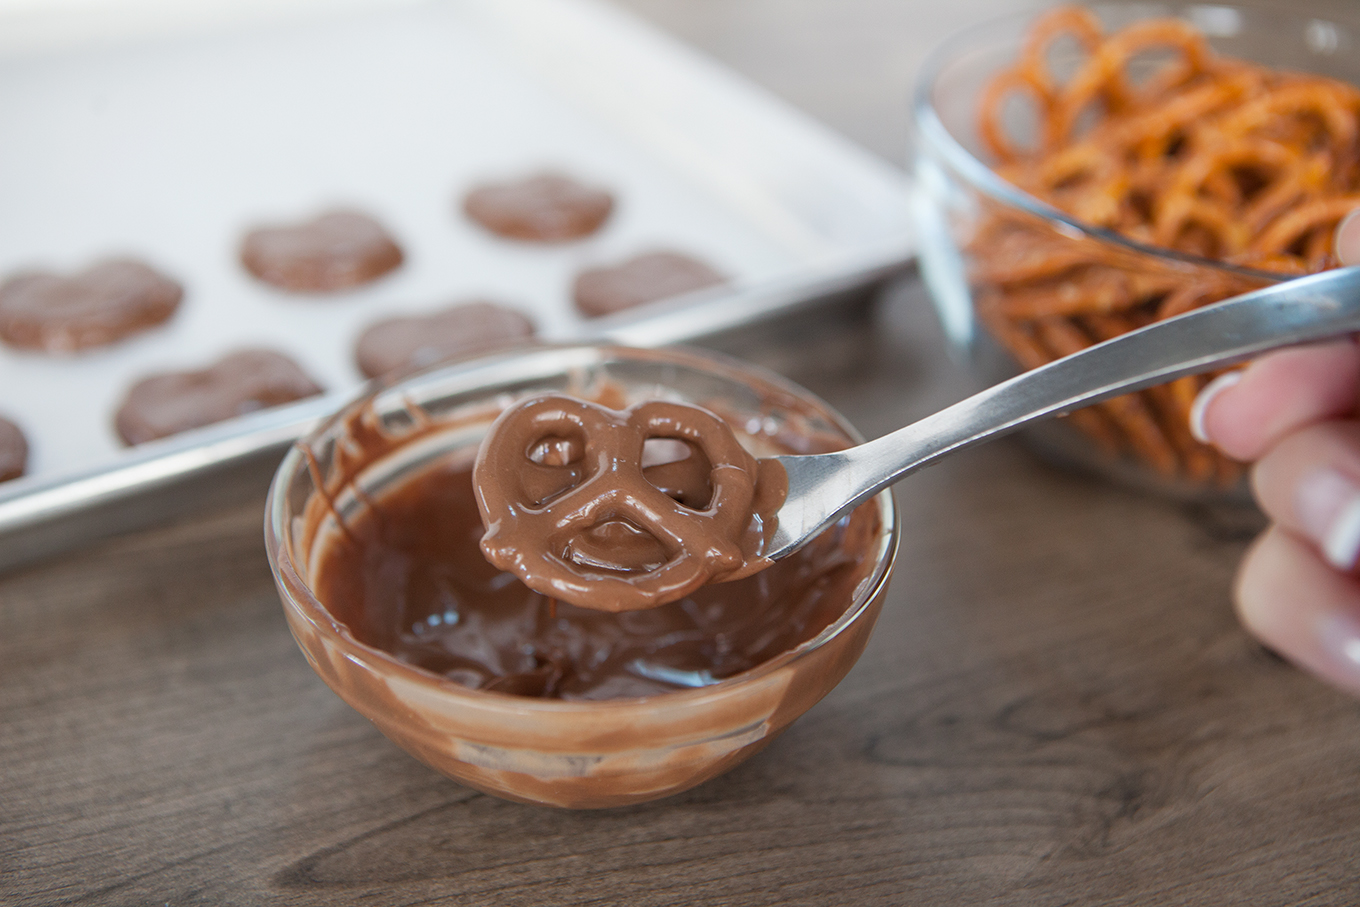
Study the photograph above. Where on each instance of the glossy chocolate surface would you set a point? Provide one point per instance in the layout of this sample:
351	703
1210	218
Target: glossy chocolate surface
620	510
104	303
336	250
545	207
409	342
241	383
408	577
644	278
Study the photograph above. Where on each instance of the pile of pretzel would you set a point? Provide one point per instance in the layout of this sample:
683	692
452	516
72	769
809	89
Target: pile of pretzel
1154	136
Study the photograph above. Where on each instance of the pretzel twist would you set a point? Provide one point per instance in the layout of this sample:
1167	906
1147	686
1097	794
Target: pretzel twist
1154	136
554	470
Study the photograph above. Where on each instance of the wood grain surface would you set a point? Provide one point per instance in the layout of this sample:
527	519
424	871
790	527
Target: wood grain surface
1057	707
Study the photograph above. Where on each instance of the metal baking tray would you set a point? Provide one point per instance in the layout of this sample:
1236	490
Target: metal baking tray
165	130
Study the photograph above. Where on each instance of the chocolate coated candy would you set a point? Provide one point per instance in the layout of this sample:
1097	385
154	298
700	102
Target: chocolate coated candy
241	383
577	509
419	340
106	302
645	278
335	251
13	451
547	207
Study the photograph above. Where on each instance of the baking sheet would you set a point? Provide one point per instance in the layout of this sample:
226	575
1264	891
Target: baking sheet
164	132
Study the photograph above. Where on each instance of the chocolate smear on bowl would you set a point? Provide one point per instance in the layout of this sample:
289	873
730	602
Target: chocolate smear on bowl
407	577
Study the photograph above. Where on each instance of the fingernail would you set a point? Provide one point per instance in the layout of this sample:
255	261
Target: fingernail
1205	397
1327	505
1346	244
1339	634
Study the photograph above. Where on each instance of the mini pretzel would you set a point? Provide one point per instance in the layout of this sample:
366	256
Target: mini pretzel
554	469
1156	137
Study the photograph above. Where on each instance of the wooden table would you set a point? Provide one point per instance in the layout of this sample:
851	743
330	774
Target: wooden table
1058	706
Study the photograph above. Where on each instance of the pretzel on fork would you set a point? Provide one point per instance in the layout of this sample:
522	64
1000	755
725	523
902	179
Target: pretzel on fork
573	508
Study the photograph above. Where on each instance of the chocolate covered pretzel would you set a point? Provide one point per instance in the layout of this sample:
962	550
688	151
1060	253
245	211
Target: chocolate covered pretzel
334	251
106	302
579	507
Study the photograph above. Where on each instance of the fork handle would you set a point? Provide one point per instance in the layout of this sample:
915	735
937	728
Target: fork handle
1295	311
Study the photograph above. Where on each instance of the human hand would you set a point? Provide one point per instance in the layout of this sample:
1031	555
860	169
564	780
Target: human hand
1295	414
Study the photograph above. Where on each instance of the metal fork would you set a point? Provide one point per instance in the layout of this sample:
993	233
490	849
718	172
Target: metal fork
823	487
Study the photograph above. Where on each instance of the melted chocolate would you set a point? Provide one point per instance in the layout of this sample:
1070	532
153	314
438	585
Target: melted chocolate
250	380
13	451
576	508
106	302
409	578
335	251
547	207
646	278
413	342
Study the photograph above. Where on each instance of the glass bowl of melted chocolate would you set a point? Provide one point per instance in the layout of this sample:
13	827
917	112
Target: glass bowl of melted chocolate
373	533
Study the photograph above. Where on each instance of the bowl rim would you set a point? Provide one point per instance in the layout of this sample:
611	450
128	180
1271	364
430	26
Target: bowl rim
288	577
931	132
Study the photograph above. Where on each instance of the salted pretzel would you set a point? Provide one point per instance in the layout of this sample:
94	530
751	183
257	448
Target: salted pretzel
1145	131
572	509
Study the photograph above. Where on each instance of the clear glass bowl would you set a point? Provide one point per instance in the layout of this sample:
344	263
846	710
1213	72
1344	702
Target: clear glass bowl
562	753
961	199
